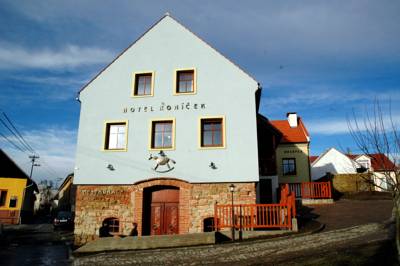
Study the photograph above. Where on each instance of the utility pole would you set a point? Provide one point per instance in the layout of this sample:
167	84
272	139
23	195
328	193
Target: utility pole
33	158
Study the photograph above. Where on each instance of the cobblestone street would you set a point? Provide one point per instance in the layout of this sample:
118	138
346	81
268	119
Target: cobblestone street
245	253
340	232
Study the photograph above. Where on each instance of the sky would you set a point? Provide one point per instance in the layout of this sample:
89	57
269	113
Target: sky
325	60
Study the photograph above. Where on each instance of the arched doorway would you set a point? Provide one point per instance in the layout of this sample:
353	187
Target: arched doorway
160	210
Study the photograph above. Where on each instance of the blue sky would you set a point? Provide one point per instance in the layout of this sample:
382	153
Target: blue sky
321	59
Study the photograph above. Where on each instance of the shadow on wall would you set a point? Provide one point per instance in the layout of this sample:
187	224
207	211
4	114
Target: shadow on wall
348	183
320	172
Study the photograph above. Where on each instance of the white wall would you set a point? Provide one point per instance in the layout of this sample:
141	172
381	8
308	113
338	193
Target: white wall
224	88
333	162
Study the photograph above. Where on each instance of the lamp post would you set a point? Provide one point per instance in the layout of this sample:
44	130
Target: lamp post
232	189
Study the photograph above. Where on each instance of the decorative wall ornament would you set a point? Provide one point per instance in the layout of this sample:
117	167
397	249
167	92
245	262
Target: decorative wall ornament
162	159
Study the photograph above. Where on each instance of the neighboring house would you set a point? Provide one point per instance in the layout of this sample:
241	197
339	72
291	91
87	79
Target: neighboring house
333	161
17	192
292	153
66	195
164	130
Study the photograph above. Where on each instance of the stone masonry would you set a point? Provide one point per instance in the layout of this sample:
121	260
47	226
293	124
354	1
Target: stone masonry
95	203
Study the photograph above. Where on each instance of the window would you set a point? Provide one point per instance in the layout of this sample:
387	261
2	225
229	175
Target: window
208	224
289	166
13	202
162	134
212	132
143	84
364	163
3	197
115	136
185	81
113	225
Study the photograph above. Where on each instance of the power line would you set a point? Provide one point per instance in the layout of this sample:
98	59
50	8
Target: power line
15	135
19	134
12	143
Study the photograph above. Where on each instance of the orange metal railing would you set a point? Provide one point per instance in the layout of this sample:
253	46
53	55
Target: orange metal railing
316	190
251	216
311	190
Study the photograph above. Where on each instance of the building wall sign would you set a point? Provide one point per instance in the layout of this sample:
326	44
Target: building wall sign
293	151
163	107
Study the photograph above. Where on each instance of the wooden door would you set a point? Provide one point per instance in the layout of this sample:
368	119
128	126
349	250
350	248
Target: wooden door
164	218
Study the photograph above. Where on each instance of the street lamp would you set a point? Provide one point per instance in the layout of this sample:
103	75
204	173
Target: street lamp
232	189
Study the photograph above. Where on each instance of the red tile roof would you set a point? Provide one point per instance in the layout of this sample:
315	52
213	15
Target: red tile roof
297	134
313	158
379	161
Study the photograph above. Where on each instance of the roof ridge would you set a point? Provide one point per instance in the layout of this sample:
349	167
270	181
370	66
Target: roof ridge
167	14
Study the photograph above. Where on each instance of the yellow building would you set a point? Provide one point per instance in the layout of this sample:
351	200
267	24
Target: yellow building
66	195
292	153
16	192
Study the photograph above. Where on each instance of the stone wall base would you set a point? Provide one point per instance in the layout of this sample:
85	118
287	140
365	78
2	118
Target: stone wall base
95	203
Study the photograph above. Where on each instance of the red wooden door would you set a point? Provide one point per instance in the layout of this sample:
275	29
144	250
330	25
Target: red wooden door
165	212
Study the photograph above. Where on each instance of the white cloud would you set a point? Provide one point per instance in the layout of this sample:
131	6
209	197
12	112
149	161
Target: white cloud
56	147
324	95
341	126
12	57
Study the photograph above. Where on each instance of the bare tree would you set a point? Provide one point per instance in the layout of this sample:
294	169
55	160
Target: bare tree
376	133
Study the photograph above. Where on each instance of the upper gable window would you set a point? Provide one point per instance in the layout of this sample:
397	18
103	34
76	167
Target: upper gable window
115	136
185	81
143	84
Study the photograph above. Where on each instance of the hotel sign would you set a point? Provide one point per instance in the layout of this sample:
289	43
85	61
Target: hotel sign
163	107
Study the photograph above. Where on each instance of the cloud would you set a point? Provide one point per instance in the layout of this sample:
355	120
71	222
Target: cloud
55	146
15	57
341	126
326	95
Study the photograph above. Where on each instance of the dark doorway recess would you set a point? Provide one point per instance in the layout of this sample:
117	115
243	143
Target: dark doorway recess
160	210
266	191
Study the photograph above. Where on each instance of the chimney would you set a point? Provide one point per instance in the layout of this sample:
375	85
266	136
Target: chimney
292	119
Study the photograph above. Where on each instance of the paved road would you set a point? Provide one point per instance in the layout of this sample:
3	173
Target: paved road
34	245
245	253
345	213
340	219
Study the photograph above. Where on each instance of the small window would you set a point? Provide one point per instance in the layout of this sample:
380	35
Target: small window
162	134
113	225
212	132
289	166
185	81
115	138
143	84
3	197
208	224
13	202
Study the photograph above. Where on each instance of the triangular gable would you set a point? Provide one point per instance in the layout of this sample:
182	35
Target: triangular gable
333	149
141	36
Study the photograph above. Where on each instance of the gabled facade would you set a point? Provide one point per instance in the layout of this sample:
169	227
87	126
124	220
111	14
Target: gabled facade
17	192
332	161
292	153
164	129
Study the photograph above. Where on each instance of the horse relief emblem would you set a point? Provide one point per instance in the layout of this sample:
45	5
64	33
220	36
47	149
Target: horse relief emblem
162	160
